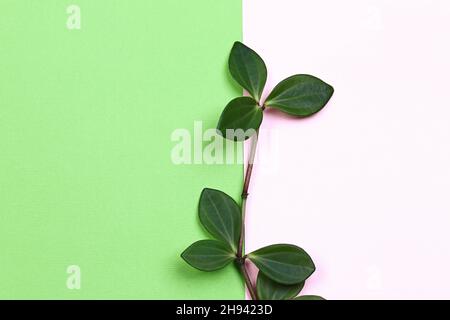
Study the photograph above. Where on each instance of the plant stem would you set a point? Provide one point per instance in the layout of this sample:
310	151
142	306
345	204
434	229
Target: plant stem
248	281
244	195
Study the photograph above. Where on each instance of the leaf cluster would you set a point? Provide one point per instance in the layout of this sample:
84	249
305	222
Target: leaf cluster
283	268
300	95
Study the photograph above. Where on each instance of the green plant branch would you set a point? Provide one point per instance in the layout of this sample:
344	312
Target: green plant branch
244	196
283	268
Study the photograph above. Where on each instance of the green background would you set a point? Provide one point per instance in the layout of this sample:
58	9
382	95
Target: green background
86	116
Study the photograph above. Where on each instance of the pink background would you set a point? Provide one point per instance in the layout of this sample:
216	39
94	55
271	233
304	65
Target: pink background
363	186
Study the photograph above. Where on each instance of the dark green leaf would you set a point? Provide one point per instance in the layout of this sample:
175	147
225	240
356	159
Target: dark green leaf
248	69
221	216
283	263
268	289
309	298
240	115
208	255
300	95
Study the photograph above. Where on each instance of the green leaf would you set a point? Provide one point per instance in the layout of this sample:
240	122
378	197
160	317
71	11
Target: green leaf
221	216
240	115
248	69
309	298
300	95
208	255
283	263
268	289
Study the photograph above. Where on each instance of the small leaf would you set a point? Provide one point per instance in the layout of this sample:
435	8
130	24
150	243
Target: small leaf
309	298
221	216
208	255
300	95
268	289
241	113
248	69
283	263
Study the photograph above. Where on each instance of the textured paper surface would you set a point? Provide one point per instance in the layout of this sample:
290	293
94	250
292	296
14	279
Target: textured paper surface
364	185
86	176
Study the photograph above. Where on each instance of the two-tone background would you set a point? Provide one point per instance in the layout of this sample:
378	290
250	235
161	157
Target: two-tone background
88	185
